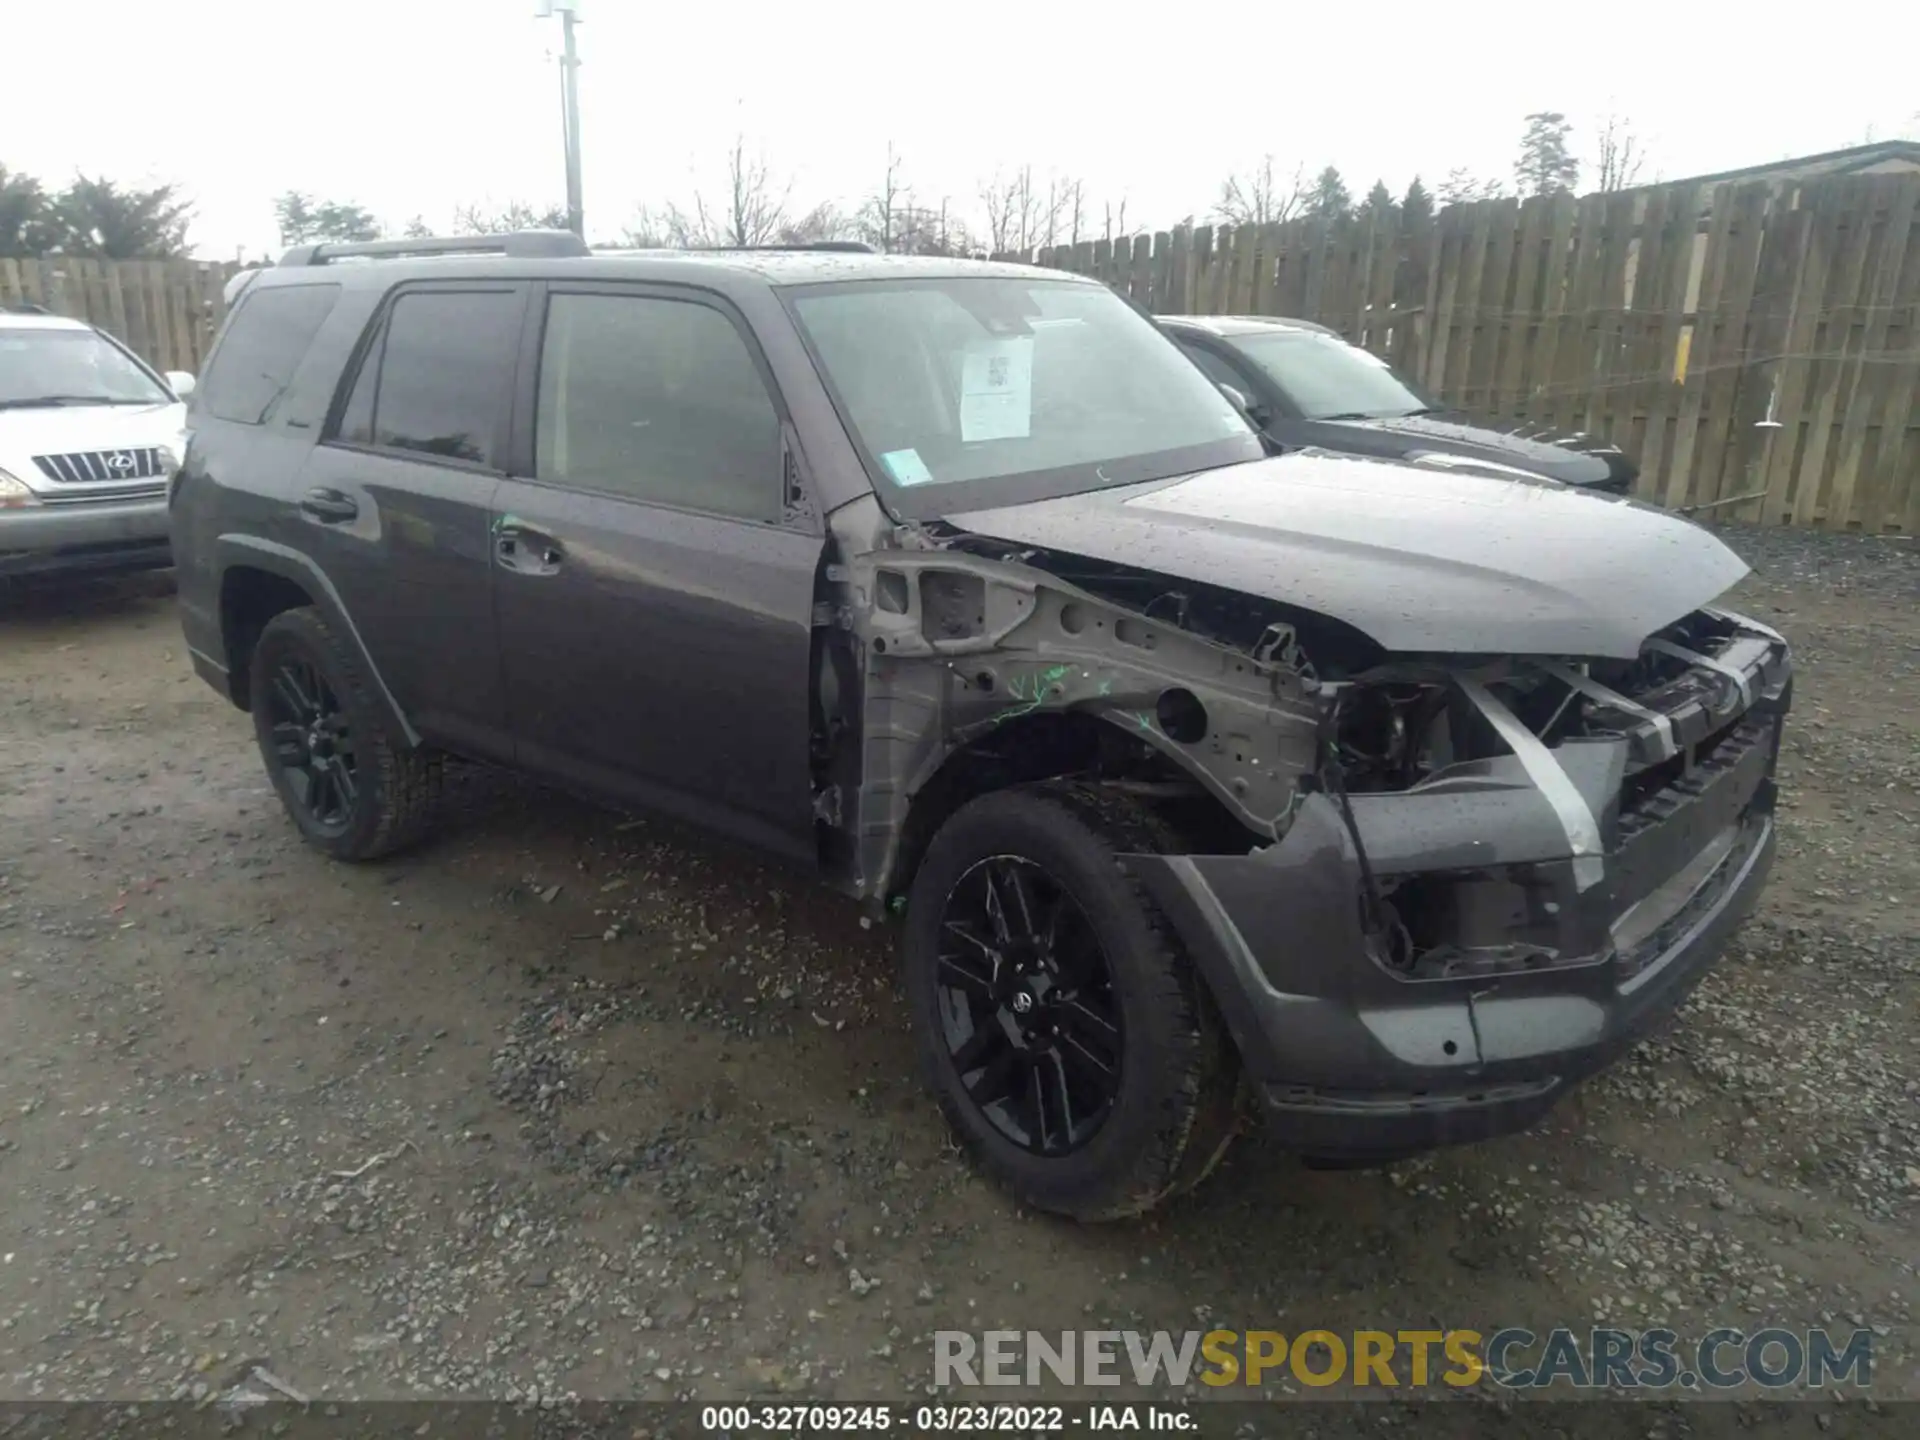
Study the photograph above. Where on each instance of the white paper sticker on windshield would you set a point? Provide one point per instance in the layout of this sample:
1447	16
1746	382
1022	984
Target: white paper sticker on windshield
906	467
996	389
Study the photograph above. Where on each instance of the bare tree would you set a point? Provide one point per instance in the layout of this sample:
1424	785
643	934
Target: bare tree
751	212
1622	155
1116	221
1462	187
825	221
879	218
1258	198
514	215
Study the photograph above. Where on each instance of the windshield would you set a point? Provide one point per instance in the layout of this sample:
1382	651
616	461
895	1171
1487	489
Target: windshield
1325	378
990	391
70	367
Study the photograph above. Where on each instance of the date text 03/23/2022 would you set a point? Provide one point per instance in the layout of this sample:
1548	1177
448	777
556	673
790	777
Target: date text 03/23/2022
943	1419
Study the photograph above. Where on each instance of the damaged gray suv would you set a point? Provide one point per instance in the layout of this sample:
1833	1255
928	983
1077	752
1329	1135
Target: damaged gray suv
1202	781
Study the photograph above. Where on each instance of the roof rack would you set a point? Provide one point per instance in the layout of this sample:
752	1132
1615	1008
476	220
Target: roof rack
519	245
840	247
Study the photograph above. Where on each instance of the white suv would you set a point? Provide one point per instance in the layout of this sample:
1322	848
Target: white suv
90	439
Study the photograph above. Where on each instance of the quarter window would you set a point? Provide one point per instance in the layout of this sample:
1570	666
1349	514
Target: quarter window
263	345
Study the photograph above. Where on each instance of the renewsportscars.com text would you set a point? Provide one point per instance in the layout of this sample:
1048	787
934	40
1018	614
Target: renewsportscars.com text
1601	1357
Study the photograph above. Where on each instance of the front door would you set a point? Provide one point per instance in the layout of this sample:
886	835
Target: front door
654	597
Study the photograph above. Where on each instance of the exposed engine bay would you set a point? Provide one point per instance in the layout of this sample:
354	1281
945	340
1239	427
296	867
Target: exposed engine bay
1482	795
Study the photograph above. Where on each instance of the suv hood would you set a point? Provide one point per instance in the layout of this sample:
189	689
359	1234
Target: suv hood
1420	560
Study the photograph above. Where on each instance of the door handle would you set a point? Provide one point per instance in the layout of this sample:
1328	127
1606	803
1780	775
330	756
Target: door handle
329	507
526	552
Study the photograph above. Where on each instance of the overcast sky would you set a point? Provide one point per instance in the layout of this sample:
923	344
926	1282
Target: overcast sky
416	106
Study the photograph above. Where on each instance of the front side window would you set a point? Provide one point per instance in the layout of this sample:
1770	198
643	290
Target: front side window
263	344
1325	378
984	390
445	362
656	400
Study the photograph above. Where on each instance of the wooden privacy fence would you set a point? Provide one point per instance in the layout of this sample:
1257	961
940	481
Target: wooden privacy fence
166	310
1757	348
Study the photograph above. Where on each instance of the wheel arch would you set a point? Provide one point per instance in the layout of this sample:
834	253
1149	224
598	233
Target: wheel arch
261	578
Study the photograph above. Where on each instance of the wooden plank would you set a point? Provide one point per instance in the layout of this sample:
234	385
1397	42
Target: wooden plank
1681	237
179	300
1606	403
1729	372
1246	252
1888	203
1449	237
1290	272
1571	381
1901	427
1495	304
1676	489
1313	270
1198	268
1846	274
1180	279
1383	264
1267	246
1526	304
1140	272
1784	245
1472	262
1640	321
1814	234
1162	272
1417	289
1336	284
1556	267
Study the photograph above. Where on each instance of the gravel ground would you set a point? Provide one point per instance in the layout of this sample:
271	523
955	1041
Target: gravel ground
572	1105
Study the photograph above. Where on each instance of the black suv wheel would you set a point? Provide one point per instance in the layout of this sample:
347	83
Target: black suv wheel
1066	1035
355	790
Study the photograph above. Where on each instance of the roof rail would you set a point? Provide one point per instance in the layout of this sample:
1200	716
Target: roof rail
519	245
846	247
25	307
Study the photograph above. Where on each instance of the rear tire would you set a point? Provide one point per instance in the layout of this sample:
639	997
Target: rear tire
1013	1032
355	789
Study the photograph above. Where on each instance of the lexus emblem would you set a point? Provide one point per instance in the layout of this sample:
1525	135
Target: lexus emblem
120	462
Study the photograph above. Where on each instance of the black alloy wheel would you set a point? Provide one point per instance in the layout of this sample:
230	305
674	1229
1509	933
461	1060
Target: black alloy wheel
1027	1008
313	744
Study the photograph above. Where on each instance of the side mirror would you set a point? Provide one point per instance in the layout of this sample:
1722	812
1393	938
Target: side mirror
1257	414
180	382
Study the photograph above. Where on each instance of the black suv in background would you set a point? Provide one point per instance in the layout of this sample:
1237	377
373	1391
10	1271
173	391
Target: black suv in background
1306	385
1396	800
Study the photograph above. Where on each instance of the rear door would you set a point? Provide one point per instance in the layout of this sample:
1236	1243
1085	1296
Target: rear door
397	501
653	583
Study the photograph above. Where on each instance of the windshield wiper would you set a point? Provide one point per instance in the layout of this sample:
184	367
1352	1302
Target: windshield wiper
1350	415
34	402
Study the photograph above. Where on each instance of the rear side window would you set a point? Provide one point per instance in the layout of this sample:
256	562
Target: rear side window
656	400
435	380
264	343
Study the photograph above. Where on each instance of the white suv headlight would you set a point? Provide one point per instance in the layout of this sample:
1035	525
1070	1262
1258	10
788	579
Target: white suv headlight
14	494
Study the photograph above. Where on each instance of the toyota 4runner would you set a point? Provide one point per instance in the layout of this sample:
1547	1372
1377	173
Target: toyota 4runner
1396	801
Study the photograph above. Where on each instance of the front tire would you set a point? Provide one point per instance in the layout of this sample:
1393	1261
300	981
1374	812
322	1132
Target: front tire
1066	1035
355	790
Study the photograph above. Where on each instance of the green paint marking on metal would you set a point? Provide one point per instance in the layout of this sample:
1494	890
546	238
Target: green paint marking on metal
1143	720
1106	687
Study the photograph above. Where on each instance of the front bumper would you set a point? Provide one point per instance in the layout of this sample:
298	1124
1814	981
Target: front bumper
108	535
1359	1059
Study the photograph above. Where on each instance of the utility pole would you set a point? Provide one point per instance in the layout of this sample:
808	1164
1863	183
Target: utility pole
569	13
